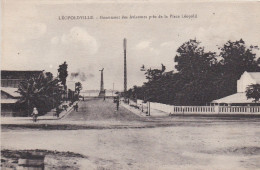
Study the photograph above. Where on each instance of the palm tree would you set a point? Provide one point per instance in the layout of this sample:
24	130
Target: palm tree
40	91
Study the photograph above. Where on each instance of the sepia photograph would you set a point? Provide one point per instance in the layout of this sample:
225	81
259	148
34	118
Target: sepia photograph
130	85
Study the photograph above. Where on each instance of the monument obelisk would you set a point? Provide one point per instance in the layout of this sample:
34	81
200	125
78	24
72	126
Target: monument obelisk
102	92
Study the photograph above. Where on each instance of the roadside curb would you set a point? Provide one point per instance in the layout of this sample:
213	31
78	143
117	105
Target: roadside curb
153	112
67	112
133	110
63	114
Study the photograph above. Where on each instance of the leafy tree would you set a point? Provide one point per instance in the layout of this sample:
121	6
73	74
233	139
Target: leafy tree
196	69
136	93
202	75
63	73
154	74
42	92
192	60
253	91
151	89
78	87
235	59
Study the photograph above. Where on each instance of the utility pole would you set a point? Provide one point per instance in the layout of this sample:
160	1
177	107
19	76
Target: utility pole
101	81
125	70
146	96
113	91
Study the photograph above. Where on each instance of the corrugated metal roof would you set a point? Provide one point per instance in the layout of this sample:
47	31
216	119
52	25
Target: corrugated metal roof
8	101
234	98
11	91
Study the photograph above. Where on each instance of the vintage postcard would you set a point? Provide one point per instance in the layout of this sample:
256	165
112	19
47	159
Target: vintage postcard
147	85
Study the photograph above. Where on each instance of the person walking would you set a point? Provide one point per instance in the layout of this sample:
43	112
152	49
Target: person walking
58	111
65	107
117	103
35	114
76	107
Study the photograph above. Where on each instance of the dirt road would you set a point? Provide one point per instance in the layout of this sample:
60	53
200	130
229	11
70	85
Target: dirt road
99	114
229	146
111	139
99	109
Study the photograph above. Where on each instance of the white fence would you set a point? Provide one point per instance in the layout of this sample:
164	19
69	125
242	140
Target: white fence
239	109
194	109
216	109
170	109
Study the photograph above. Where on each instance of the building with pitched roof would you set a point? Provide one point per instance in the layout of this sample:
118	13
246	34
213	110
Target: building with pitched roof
10	80
239	98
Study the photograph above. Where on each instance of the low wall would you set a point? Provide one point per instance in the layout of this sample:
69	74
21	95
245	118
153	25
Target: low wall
153	106
170	109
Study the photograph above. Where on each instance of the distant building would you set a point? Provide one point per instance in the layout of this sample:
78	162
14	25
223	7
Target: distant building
246	79
95	93
239	98
90	93
9	85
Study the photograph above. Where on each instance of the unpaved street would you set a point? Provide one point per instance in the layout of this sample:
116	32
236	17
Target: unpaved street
234	146
99	109
127	141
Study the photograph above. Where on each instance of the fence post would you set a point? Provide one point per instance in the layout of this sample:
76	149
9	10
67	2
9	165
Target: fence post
216	109
149	109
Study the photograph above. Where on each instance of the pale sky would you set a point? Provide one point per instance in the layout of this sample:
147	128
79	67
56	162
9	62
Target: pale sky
35	39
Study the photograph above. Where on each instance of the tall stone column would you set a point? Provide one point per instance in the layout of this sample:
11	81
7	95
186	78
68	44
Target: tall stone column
102	90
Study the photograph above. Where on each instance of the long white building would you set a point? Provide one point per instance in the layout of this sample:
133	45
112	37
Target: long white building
239	98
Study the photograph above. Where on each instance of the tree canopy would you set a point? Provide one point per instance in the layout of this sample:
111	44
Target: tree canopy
202	76
78	87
